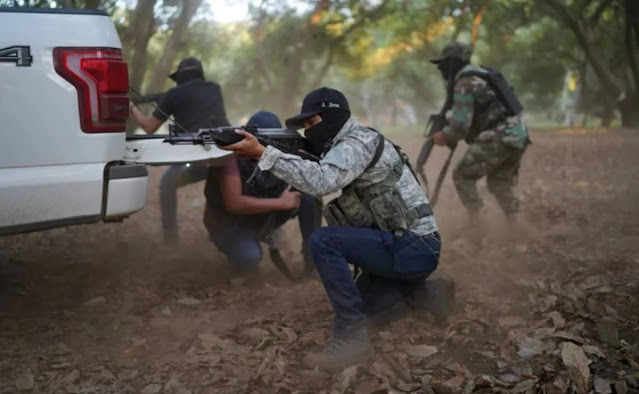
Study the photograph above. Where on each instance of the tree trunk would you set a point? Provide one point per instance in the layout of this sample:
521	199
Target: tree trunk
142	27
628	107
627	100
92	4
632	13
583	33
289	92
477	22
460	21
629	112
631	41
173	45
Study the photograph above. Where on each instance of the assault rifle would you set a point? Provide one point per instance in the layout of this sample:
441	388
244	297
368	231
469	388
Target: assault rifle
288	141
436	122
149	98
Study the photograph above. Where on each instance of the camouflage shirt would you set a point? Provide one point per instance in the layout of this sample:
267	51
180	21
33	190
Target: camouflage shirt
478	115
346	163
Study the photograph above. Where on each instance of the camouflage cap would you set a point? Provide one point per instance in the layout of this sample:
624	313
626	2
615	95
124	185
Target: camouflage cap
454	49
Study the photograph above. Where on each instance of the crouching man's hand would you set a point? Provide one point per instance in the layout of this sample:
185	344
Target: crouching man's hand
248	147
290	200
439	138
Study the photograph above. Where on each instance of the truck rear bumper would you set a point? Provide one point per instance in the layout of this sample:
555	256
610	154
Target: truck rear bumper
42	197
126	190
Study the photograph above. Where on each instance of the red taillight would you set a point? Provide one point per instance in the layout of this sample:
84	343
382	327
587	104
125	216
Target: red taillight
101	78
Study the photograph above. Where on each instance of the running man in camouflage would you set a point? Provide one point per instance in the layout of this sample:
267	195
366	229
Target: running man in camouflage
496	140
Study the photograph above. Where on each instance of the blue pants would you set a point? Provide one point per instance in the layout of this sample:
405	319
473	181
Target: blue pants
408	257
242	247
173	178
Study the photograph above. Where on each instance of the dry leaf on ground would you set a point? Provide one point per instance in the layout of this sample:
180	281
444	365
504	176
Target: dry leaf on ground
577	363
314	379
347	378
63	378
96	300
152	388
25	380
590	349
511	321
455	382
558	320
369	386
608	333
602	386
254	333
419	350
209	341
523	386
528	347
189	301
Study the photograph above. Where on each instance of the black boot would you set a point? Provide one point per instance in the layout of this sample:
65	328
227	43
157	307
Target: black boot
436	296
342	351
383	299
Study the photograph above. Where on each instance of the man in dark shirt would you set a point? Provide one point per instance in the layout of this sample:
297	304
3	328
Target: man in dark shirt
194	103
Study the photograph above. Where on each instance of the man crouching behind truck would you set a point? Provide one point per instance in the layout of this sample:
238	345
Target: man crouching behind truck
239	213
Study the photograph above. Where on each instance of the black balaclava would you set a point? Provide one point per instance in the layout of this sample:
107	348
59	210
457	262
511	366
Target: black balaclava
185	76
320	136
450	66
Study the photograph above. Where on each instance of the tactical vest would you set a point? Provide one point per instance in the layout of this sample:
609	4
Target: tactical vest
379	205
255	183
505	93
493	112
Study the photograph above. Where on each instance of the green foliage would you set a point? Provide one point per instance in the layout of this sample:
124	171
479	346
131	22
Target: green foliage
377	51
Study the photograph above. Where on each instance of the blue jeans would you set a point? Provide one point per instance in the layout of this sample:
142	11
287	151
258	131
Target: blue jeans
408	257
242	245
173	178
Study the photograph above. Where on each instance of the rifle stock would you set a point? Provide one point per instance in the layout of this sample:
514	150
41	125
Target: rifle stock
436	122
149	98
442	175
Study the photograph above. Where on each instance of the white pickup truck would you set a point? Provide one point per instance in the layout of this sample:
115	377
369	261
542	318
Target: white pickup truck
64	155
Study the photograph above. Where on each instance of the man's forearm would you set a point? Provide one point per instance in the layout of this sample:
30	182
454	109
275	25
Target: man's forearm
149	124
247	205
314	178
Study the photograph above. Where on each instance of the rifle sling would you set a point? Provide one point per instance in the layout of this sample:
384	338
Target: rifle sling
379	149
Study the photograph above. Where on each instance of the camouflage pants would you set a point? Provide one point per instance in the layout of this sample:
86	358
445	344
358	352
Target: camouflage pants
499	163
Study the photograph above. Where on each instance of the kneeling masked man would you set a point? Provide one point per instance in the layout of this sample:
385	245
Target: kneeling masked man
382	223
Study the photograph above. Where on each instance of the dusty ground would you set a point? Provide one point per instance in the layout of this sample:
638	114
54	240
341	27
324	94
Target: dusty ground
549	306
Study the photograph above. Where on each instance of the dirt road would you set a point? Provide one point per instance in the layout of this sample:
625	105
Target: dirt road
549	306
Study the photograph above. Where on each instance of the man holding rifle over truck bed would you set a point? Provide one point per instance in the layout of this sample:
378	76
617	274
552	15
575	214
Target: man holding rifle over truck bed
195	103
488	116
